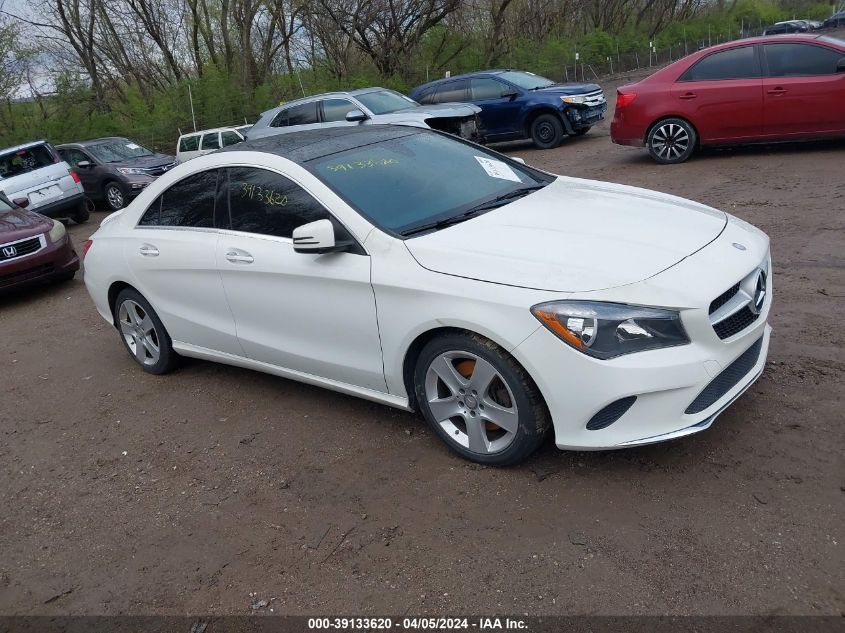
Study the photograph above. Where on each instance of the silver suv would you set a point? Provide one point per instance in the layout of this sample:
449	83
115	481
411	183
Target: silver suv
33	175
366	106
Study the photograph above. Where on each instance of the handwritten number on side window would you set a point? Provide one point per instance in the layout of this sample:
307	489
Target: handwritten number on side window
272	197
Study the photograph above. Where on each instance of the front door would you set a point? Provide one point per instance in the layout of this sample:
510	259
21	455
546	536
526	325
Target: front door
309	313
499	106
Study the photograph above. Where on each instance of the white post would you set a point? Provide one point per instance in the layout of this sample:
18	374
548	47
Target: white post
191	97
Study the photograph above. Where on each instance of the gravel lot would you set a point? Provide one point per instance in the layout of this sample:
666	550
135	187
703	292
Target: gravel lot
212	488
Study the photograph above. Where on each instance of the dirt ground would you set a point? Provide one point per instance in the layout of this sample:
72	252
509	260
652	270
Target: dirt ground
207	490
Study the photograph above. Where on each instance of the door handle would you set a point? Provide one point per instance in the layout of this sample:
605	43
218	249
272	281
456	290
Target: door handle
688	95
148	250
239	257
776	91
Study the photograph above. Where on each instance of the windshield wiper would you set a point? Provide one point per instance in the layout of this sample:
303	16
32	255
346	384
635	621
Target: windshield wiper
474	211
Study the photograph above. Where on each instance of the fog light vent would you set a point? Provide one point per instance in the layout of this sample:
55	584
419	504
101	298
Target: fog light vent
609	414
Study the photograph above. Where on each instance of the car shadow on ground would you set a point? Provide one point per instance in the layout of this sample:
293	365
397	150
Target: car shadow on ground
25	295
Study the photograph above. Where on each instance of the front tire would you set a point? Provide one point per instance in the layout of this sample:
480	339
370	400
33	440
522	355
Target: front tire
671	141
114	196
479	400
143	333
547	131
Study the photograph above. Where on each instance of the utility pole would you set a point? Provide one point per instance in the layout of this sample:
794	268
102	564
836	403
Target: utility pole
191	98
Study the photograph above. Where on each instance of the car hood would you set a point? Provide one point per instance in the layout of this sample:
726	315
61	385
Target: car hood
572	236
20	223
568	89
434	111
145	162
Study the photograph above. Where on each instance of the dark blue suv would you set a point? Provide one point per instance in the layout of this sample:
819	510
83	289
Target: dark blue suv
517	104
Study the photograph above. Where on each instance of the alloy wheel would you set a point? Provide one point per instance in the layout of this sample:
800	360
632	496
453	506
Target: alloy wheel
115	197
670	141
139	332
471	402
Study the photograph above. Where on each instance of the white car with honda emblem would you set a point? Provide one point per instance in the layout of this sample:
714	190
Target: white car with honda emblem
418	270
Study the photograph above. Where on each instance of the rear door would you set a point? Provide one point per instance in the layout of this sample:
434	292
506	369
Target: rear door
500	110
172	252
722	95
803	93
309	313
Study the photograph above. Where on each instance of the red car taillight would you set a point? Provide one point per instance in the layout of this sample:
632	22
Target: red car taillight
86	247
624	99
75	176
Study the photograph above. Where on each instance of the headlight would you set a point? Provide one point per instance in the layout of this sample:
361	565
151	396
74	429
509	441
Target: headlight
578	99
608	330
131	171
57	232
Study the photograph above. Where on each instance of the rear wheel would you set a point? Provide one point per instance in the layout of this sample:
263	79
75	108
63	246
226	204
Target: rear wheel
547	131
671	141
82	213
143	333
479	400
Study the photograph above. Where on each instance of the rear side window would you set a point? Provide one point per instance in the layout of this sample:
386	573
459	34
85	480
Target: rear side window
24	161
452	91
211	141
486	89
735	63
188	203
189	143
230	138
801	60
267	203
336	109
304	114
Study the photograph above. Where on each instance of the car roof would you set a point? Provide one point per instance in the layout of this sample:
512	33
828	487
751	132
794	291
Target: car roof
475	73
94	141
339	94
764	39
307	145
17	148
212	129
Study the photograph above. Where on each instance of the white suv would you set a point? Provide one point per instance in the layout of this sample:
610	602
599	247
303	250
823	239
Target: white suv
35	176
204	142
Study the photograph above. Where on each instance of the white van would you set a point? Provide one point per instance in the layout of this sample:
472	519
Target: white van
205	141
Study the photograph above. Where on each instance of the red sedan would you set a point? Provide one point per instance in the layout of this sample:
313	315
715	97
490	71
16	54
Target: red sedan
33	248
780	88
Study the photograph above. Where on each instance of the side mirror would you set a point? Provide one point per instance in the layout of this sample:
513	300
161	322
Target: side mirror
83	164
840	65
23	203
318	237
519	160
356	115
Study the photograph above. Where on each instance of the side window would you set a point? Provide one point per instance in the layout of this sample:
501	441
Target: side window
73	157
281	119
189	143
801	60
452	91
735	63
336	109
189	202
485	88
267	203
303	114
230	138
211	140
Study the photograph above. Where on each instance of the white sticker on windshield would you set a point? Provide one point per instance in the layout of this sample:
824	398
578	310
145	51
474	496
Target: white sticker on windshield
132	146
497	169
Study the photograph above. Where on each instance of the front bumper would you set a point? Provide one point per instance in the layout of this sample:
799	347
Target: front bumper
585	116
55	259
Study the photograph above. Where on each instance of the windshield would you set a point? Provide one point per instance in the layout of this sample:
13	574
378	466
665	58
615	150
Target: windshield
526	80
386	101
118	151
408	182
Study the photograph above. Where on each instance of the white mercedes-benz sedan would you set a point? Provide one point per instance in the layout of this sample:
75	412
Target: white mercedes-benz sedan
412	268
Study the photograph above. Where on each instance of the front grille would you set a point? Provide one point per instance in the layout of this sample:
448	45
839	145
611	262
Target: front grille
727	380
735	323
723	298
595	98
12	250
25	275
609	414
159	170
